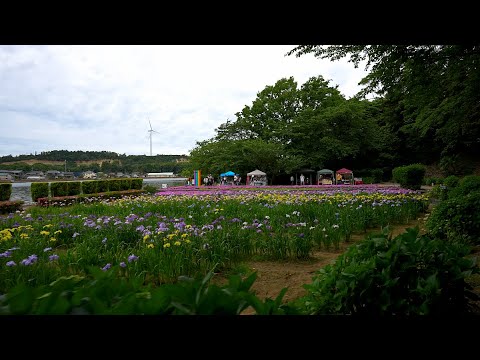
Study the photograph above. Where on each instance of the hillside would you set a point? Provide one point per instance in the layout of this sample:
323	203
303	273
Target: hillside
60	163
104	161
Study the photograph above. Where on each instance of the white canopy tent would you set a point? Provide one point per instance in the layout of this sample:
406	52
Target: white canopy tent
256	177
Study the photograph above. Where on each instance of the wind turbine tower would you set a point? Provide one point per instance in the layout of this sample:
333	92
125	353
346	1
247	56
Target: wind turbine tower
151	131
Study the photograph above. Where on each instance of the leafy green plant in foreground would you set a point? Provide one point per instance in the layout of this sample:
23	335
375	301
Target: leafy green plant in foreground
104	292
407	275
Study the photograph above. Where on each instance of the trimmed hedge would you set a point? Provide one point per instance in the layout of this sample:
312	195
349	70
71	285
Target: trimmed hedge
102	186
74	188
90	187
39	190
5	191
115	185
59	188
410	176
125	184
137	184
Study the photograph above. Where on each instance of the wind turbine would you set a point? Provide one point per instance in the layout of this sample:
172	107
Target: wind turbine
151	131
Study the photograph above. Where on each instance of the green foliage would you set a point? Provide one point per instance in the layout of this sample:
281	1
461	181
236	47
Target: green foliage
433	180
373	176
368	180
410	176
104	292
39	190
74	188
102	186
5	191
439	192
457	218
150	189
404	276
136	184
451	181
115	184
59	188
125	184
456	164
90	187
466	185
242	156
434	92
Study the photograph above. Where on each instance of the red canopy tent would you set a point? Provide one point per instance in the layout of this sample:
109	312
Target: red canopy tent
346	176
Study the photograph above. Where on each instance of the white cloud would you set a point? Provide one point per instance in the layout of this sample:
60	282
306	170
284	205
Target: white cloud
101	97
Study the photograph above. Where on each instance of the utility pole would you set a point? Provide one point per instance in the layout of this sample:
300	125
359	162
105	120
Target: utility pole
65	165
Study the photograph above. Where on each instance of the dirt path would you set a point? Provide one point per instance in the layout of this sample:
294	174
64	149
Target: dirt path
273	276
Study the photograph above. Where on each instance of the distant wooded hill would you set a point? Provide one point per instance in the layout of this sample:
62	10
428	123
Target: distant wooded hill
104	161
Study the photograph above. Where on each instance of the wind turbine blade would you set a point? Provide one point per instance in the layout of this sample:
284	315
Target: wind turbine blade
150	124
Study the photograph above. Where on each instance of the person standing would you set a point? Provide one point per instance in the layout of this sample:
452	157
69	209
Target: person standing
302	179
291	180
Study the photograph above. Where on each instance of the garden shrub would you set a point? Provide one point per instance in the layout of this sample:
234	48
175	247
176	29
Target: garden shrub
410	176
439	192
74	188
377	175
115	185
5	191
102	186
125	184
39	190
433	180
89	187
466	185
457	218
451	181
374	176
404	276
59	188
137	184
150	189
368	180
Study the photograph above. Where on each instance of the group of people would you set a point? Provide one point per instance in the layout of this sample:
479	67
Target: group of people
303	180
208	180
236	180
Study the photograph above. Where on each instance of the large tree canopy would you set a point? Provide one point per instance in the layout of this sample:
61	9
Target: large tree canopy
436	88
268	117
287	128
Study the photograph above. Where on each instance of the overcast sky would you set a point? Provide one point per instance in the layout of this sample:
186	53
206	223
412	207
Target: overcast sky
96	98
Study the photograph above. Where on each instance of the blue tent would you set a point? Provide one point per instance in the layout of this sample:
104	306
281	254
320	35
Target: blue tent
228	173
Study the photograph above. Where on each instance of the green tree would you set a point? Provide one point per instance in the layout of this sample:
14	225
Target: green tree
436	88
242	156
274	108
